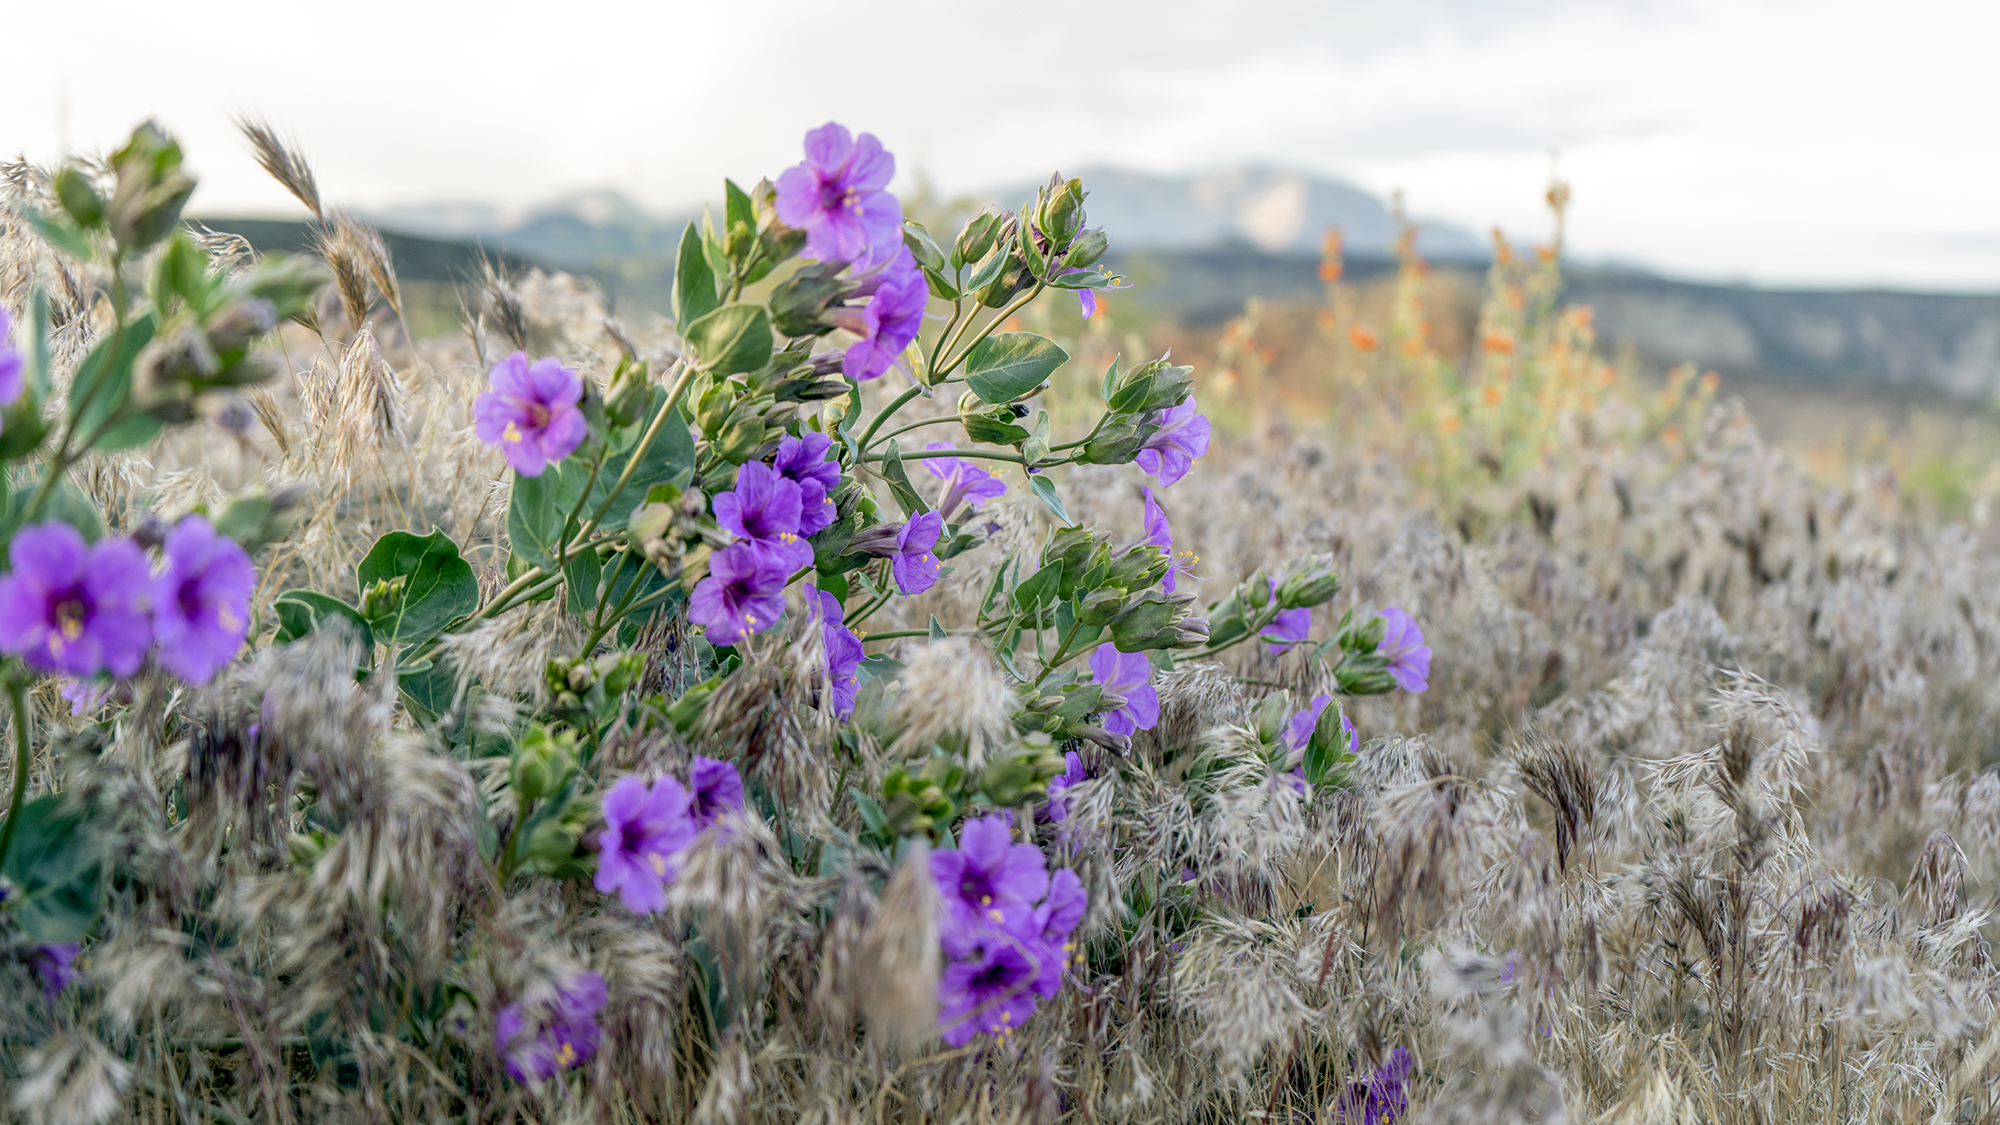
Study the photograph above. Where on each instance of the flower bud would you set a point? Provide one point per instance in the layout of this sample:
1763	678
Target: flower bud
976	239
1139	567
382	599
146	205
798	304
1061	213
630	392
1074	546
1359	678
1312	584
685	710
542	763
1151	621
1152	386
1089	246
1101	605
1256	590
1008	781
620	670
1115	443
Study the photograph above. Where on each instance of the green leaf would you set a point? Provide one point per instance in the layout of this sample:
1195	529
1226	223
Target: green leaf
38	343
1045	490
429	690
60	234
103	381
899	483
301	611
1110	379
66	503
57	871
736	209
580	575
1004	367
694	282
937	630
539	508
1040	588
733	338
438	585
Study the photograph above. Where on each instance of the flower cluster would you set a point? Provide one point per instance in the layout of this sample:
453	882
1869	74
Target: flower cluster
83	609
1006	924
647	827
538	1041
769	513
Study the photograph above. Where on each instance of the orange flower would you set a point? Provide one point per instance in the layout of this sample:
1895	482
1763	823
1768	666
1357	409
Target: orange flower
1709	381
1361	338
1326	320
1491	394
1671	435
1545	253
1268	355
1496	342
1329	271
1607	376
1330	244
1449	425
1013	324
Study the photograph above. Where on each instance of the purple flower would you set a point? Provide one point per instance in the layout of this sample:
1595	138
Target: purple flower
744	593
1403	646
531	412
992	993
537	1043
201	600
1383	1097
717	789
1300	731
56	965
74	609
963	480
888	322
1162	536
12	377
836	197
644	832
988	885
843	651
1290	627
1055	921
803	460
1128	675
1073	772
765	508
86	697
1179	435
914	566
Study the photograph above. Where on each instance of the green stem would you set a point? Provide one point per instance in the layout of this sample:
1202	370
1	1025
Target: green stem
999	318
957	310
17	695
895	404
897	634
918	426
640	450
923	454
1061	654
507	858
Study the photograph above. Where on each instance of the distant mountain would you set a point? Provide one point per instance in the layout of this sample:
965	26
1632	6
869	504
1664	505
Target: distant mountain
1272	209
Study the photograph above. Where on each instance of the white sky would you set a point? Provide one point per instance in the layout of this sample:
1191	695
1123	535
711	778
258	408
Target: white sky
1830	142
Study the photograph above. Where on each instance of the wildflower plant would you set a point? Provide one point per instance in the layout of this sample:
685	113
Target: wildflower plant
699	536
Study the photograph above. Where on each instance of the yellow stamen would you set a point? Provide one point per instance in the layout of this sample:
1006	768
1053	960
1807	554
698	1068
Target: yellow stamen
511	434
659	863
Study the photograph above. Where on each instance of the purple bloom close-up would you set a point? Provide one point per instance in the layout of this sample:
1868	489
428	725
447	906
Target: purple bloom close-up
964	480
744	593
56	965
988	884
531	413
1179	435
539	1042
1055	920
803	460
1073	772
86	697
992	993
843	652
13	376
836	196
914	566
1300	730
1384	1096
1130	675
76	609
645	829
1160	535
201	600
892	318
1403	646
765	509
715	788
1289	627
